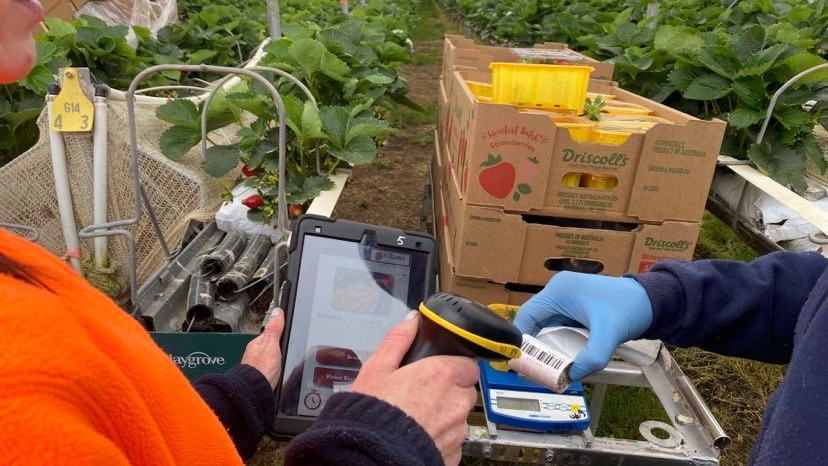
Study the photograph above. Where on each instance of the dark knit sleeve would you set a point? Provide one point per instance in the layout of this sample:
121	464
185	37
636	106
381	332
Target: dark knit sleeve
243	401
733	308
360	430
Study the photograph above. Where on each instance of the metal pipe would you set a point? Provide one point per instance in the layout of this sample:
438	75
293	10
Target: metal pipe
100	152
274	23
62	190
720	438
33	233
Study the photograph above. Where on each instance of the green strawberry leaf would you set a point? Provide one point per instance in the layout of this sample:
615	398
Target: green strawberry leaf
804	61
256	215
176	141
220	160
791	117
721	60
708	87
749	42
752	91
743	117
59	28
359	150
180	112
524	188
253	102
312	187
813	151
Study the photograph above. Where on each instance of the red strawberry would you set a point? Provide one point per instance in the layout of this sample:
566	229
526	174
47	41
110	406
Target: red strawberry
248	172
498	178
253	202
295	210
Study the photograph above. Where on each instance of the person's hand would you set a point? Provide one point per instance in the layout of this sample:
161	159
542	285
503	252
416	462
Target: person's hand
437	391
263	352
614	309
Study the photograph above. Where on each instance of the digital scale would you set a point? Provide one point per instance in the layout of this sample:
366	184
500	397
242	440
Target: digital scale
512	400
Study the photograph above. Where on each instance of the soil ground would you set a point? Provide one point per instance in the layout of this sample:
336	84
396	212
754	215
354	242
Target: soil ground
390	191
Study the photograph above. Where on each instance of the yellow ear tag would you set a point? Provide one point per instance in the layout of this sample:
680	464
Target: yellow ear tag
71	110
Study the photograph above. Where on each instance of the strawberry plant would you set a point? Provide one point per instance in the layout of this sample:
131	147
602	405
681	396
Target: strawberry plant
344	135
219	32
349	66
732	76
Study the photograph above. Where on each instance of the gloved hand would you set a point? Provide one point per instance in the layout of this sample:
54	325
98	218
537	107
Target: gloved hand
614	309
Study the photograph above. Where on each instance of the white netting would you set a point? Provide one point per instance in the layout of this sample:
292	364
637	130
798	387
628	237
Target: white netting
178	191
151	14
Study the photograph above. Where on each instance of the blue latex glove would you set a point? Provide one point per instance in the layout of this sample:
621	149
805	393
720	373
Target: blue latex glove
614	309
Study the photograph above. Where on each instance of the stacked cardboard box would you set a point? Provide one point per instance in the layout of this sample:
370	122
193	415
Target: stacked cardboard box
509	220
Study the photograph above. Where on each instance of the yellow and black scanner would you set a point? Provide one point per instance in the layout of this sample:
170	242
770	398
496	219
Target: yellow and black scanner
453	325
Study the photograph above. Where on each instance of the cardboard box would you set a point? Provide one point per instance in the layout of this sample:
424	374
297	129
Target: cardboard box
461	53
519	160
488	243
480	290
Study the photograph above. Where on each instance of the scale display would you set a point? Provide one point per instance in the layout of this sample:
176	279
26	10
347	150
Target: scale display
511	400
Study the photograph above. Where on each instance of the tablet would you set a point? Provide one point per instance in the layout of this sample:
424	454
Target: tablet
347	284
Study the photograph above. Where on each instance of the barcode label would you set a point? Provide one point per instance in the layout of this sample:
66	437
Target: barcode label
545	357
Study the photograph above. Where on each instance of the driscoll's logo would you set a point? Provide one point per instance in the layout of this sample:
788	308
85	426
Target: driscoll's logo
197	358
612	160
665	245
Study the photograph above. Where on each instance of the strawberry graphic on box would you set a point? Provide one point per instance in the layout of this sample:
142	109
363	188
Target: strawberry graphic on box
498	177
527	170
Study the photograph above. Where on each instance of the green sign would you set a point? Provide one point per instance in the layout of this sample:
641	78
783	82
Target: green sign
197	354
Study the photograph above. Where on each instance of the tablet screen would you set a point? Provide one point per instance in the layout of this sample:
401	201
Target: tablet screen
348	294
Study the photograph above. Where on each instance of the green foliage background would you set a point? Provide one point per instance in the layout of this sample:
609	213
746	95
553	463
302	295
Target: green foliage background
712	59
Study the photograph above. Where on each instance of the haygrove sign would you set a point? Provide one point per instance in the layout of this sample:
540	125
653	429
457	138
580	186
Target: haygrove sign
196	359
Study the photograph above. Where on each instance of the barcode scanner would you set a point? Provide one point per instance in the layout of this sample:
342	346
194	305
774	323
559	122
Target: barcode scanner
456	326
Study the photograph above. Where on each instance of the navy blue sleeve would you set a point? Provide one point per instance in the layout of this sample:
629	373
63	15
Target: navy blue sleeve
732	308
354	429
243	400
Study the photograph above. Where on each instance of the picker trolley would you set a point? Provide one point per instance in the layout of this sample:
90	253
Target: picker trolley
692	436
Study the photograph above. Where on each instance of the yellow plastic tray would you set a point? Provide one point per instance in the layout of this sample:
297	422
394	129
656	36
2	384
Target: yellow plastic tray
578	131
557	87
609	137
617	107
479	89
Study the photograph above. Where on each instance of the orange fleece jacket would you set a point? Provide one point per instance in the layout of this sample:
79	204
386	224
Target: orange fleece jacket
81	382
